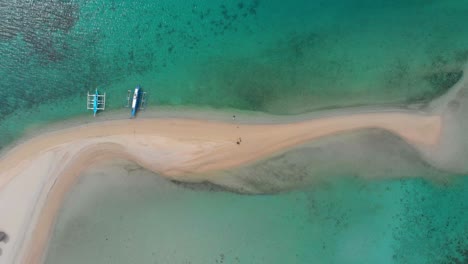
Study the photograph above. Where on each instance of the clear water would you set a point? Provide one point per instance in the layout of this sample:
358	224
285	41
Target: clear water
134	216
274	56
281	57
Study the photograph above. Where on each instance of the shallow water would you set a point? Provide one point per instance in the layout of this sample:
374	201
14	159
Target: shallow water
275	56
132	216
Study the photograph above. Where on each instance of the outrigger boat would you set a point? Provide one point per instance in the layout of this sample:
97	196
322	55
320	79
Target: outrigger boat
96	102
138	101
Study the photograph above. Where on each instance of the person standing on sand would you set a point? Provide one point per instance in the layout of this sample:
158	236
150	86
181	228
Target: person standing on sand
240	139
3	237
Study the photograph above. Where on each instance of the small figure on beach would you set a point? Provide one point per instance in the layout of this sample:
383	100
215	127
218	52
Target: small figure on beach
3	237
234	117
239	141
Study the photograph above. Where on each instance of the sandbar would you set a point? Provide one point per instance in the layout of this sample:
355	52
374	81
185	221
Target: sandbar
36	174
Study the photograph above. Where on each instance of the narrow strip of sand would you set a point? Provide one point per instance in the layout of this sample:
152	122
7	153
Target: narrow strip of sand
35	175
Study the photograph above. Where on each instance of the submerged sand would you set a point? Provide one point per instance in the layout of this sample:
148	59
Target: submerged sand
35	175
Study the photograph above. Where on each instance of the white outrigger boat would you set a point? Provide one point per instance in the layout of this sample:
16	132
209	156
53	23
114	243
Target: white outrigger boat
138	101
96	102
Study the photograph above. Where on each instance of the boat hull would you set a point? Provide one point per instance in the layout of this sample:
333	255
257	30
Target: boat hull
135	101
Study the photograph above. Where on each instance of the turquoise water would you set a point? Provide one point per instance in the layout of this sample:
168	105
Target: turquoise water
281	57
274	56
136	217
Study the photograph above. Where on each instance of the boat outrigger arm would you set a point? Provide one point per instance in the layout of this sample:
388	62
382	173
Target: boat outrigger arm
96	102
138	100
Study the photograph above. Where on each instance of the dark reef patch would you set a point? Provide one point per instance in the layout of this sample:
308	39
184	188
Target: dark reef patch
461	255
38	22
442	81
201	186
431	224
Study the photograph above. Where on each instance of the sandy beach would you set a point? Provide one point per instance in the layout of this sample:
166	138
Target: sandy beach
36	174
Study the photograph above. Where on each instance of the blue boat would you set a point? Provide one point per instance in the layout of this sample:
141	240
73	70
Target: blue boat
137	101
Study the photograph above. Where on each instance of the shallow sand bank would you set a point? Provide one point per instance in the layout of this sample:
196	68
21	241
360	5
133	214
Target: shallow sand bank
35	175
176	148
